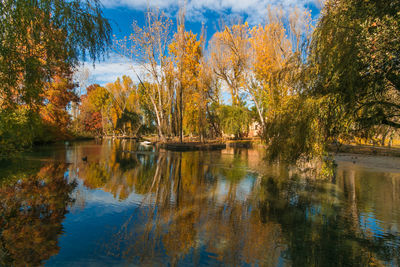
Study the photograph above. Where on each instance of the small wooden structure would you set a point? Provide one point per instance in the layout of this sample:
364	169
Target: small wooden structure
241	144
192	146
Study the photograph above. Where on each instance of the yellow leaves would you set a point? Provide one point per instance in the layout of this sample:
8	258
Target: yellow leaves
115	114
187	52
250	62
187	55
230	56
270	47
120	91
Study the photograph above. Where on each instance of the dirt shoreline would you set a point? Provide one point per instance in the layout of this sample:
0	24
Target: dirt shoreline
365	150
372	162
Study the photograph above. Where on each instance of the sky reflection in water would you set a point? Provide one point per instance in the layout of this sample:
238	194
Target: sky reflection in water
192	208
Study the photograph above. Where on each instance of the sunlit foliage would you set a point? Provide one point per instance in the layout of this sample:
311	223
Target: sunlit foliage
302	84
41	43
356	56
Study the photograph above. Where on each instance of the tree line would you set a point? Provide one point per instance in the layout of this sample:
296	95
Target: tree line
41	44
304	83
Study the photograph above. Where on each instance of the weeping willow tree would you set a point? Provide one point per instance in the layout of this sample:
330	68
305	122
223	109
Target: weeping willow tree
340	84
356	54
40	40
234	120
291	120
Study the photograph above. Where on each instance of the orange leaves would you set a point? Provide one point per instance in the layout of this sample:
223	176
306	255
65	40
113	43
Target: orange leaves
92	106
57	95
60	92
113	108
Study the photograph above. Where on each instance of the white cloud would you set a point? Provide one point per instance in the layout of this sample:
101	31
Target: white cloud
140	4
255	10
109	70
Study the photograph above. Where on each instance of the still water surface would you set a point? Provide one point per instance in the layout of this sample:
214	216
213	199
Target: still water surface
224	208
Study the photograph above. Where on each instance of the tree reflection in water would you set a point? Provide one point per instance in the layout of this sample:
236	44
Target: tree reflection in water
211	207
205	208
31	211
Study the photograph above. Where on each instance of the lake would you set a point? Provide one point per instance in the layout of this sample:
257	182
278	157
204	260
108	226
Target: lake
224	208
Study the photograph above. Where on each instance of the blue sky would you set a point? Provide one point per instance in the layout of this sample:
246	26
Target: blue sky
122	13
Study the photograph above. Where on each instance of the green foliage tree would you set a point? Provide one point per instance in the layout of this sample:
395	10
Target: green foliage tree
18	128
294	132
39	40
43	36
235	120
346	87
355	51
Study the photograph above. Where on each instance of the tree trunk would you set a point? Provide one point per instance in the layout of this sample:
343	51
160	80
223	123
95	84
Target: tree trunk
259	114
181	114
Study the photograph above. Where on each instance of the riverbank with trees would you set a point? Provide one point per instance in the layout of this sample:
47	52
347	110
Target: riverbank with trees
298	84
41	45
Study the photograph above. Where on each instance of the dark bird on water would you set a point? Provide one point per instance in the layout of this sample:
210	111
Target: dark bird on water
84	158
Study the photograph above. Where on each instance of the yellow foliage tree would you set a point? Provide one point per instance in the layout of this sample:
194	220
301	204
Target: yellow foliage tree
125	108
230	57
187	53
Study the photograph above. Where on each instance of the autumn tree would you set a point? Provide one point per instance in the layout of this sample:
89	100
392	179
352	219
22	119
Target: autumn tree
112	109
291	121
148	46
94	111
230	58
57	96
41	40
270	51
125	108
208	121
187	53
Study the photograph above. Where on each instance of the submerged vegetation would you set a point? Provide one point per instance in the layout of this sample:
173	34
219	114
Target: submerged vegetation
299	84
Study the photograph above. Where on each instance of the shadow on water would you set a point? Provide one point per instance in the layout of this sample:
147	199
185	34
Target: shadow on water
195	208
